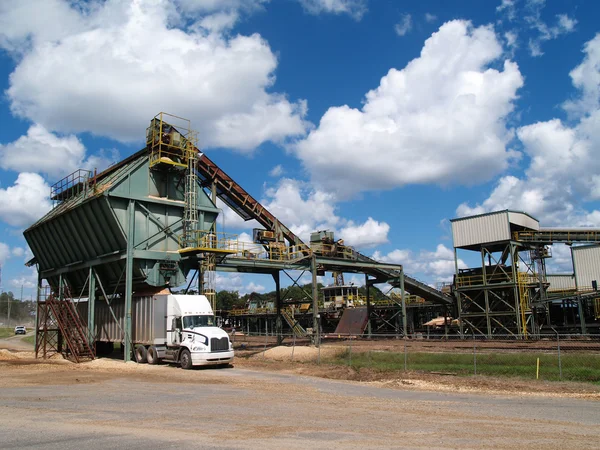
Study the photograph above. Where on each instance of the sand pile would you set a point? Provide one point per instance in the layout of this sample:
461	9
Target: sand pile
285	353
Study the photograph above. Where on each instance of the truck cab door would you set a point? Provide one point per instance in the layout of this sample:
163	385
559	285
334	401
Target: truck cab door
176	331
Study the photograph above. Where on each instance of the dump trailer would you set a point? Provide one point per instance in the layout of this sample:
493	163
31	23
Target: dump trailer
165	327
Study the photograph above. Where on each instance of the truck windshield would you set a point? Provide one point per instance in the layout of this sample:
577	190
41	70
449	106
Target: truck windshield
198	321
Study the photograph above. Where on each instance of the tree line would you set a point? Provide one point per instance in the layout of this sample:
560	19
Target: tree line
21	311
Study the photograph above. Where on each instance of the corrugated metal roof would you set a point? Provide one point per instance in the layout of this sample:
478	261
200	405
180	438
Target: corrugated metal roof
457	219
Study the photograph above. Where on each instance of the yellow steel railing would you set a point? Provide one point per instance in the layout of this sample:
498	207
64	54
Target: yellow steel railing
169	145
494	278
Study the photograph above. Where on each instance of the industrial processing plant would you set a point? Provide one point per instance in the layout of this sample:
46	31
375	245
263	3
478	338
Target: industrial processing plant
149	225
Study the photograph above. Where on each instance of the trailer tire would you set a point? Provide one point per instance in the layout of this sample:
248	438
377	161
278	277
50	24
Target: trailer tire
185	359
152	355
141	354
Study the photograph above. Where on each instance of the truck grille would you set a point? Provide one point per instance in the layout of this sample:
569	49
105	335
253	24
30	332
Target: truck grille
219	344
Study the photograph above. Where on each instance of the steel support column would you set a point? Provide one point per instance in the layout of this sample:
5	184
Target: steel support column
37	313
315	296
581	315
278	320
129	278
369	308
403	296
91	318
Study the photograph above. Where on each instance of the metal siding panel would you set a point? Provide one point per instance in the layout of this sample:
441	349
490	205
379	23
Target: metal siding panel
523	220
586	262
481	230
560	282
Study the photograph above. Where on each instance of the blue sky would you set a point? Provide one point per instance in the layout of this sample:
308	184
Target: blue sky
378	119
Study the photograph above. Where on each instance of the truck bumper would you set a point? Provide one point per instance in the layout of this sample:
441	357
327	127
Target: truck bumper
205	359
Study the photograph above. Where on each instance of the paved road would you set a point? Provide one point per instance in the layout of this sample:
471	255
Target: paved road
128	406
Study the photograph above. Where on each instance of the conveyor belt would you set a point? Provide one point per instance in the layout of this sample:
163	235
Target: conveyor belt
248	208
414	286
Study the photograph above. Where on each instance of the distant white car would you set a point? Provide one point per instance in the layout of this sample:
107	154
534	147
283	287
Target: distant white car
20	330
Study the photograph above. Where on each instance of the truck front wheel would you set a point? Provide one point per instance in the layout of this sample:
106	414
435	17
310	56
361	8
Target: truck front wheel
185	359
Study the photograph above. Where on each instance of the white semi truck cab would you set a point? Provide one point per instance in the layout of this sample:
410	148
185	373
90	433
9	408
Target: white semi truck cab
188	335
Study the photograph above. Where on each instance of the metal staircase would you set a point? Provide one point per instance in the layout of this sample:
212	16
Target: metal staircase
72	329
293	323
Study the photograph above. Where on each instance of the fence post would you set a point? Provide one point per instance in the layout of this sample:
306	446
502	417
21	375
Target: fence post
319	356
350	352
266	339
474	355
405	356
559	362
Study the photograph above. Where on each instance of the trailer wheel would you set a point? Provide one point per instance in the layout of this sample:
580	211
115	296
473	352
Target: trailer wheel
185	359
141	354
152	355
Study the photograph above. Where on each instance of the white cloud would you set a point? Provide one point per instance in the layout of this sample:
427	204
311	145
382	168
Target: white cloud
529	16
44	152
26	201
354	8
511	39
508	7
369	234
586	78
404	26
562	175
18	251
5	252
28	279
300	207
436	266
430	18
230	220
444	114
561	261
128	61
276	171
533	12
237	282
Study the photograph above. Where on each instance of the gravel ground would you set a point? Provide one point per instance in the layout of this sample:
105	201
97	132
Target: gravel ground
266	404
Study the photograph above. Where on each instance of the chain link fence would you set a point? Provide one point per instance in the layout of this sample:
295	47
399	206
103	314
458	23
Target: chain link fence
549	358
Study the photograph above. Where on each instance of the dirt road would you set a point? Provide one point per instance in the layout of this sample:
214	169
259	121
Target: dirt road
16	343
110	404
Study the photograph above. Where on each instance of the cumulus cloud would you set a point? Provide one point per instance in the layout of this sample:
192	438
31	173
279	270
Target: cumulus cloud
369	234
300	207
441	119
127	60
562	175
437	266
44	152
237	282
26	201
354	8
404	26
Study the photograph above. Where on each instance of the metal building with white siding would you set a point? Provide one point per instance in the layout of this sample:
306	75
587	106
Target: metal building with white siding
586	264
561	282
499	226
